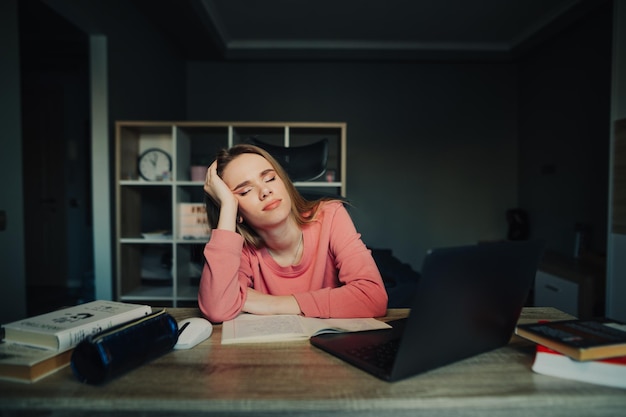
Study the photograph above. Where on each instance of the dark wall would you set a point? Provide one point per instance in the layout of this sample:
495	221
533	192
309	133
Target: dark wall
433	155
432	148
146	77
564	113
438	152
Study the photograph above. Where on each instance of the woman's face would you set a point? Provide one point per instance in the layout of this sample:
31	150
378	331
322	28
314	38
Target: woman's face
263	199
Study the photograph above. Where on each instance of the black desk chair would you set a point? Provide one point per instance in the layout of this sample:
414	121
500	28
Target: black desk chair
302	163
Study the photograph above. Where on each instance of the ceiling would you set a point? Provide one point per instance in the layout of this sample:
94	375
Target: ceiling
359	29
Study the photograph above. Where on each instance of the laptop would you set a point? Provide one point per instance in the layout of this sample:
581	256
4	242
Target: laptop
467	302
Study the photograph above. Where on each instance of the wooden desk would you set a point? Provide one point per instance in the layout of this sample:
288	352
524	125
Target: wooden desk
297	379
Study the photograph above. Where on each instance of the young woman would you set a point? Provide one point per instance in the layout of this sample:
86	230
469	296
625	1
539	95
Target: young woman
273	252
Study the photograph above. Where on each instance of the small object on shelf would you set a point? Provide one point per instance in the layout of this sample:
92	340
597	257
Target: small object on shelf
193	222
155	165
579	339
610	372
198	172
158	235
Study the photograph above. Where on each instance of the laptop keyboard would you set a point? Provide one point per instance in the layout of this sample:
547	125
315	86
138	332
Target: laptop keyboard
380	355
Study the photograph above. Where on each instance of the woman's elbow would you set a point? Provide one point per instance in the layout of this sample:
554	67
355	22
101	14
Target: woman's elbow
380	308
217	317
377	305
216	314
381	302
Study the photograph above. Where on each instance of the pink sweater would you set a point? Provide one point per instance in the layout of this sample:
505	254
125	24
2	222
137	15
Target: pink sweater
336	277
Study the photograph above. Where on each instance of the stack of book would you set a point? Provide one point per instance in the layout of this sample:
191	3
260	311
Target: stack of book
592	351
35	347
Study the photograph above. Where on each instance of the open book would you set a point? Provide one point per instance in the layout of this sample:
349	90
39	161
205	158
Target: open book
250	328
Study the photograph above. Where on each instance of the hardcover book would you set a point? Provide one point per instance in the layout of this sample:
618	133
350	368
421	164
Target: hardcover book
249	328
609	372
579	339
25	363
63	329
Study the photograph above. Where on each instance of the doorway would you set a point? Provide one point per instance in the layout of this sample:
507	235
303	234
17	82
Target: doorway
54	61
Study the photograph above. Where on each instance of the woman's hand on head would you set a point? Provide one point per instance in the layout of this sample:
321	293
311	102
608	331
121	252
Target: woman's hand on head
216	188
219	192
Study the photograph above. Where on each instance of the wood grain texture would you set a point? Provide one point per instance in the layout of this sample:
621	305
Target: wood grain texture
296	379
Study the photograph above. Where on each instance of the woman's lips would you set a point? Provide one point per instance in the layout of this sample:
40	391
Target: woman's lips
272	205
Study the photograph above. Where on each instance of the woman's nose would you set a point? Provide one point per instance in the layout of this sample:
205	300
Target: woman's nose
265	191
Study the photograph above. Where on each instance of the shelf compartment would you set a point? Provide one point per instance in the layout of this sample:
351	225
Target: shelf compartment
189	260
145	209
145	268
198	146
133	140
299	136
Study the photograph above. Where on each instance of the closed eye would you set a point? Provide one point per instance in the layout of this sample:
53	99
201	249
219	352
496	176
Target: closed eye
244	191
245	187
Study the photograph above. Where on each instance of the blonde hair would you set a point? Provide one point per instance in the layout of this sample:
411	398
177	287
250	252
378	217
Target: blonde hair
303	210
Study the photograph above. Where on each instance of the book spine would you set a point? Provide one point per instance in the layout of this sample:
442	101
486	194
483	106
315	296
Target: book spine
71	337
563	348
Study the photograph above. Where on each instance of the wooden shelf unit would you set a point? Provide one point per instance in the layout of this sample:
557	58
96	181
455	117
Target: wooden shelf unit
165	269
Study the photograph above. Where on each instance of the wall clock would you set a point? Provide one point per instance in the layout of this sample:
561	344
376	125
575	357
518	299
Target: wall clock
155	164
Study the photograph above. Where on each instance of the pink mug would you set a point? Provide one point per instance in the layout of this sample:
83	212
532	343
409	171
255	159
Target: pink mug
198	172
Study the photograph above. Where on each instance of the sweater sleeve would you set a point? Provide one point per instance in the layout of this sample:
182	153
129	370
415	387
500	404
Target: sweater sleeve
361	291
223	282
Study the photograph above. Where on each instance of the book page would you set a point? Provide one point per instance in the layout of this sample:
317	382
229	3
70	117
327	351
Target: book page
315	326
248	328
617	326
253	328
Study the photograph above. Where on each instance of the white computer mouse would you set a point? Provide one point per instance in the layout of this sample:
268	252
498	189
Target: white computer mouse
192	331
